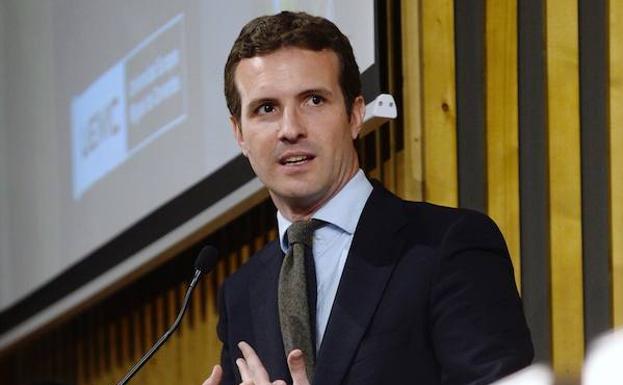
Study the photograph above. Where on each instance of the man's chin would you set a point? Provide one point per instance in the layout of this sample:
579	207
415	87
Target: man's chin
297	197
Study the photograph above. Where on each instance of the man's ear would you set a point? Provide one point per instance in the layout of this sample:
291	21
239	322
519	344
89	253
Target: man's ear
237	131
356	116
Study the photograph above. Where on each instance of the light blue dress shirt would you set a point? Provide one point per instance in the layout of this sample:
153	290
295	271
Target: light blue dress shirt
332	243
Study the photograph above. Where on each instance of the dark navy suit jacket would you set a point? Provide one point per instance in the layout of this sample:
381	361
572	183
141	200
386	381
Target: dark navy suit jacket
427	296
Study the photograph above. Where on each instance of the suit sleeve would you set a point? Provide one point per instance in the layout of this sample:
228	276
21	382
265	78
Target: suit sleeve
478	328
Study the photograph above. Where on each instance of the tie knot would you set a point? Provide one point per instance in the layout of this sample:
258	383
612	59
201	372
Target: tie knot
302	232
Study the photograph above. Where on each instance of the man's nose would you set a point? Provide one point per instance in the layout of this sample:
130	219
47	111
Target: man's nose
292	125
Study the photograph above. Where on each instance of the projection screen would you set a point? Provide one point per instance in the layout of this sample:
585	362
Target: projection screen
115	136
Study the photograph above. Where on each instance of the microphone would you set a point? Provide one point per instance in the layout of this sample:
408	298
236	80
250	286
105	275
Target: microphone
205	262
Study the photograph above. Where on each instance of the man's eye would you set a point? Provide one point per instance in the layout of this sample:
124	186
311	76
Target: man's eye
265	108
316	99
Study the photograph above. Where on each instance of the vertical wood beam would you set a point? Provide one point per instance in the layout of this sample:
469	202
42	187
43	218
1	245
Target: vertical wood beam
411	163
388	148
439	102
565	185
616	156
125	360
184	338
502	123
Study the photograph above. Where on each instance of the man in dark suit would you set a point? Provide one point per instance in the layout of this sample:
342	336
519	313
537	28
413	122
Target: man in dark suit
397	292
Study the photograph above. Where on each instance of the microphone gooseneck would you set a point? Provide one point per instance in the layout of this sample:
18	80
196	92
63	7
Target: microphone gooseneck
205	262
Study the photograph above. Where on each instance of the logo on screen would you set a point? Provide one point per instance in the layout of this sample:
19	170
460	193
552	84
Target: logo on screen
134	102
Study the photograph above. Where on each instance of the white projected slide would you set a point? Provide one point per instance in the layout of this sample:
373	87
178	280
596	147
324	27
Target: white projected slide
114	111
128	106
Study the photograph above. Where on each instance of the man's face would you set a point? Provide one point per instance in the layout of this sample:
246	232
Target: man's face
294	127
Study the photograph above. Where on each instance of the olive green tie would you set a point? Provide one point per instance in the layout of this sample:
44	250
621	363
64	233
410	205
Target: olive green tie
294	312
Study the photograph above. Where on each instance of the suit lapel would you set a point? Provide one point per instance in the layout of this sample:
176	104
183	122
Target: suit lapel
371	261
263	299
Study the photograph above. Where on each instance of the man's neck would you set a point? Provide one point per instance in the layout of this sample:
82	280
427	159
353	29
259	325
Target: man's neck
297	210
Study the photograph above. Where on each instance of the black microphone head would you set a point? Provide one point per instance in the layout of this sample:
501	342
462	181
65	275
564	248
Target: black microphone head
207	259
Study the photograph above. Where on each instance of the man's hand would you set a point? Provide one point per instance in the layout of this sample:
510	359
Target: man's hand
253	372
215	377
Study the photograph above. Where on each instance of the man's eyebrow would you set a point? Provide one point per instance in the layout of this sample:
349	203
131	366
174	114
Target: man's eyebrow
319	91
255	103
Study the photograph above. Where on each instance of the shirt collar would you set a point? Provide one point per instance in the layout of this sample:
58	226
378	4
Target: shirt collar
342	211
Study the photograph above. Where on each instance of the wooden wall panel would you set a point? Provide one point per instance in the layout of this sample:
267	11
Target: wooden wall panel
411	182
502	123
211	344
148	374
125	341
393	129
439	102
565	185
113	341
164	364
616	156
169	366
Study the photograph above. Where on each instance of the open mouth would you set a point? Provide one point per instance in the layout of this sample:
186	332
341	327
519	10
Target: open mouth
294	160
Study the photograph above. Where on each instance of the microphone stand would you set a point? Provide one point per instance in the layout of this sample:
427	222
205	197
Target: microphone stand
167	334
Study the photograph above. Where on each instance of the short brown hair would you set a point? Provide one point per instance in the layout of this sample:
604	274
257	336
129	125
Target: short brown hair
266	34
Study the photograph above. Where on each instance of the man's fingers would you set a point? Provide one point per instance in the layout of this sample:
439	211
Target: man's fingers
215	377
296	364
253	363
245	372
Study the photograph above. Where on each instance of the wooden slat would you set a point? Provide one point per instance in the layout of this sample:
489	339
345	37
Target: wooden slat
394	73
107	350
125	359
139	335
565	185
371	156
200	331
502	123
113	368
147	373
410	162
184	340
439	102
213	344
168	361
154	318
377	154
389	164
616	156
